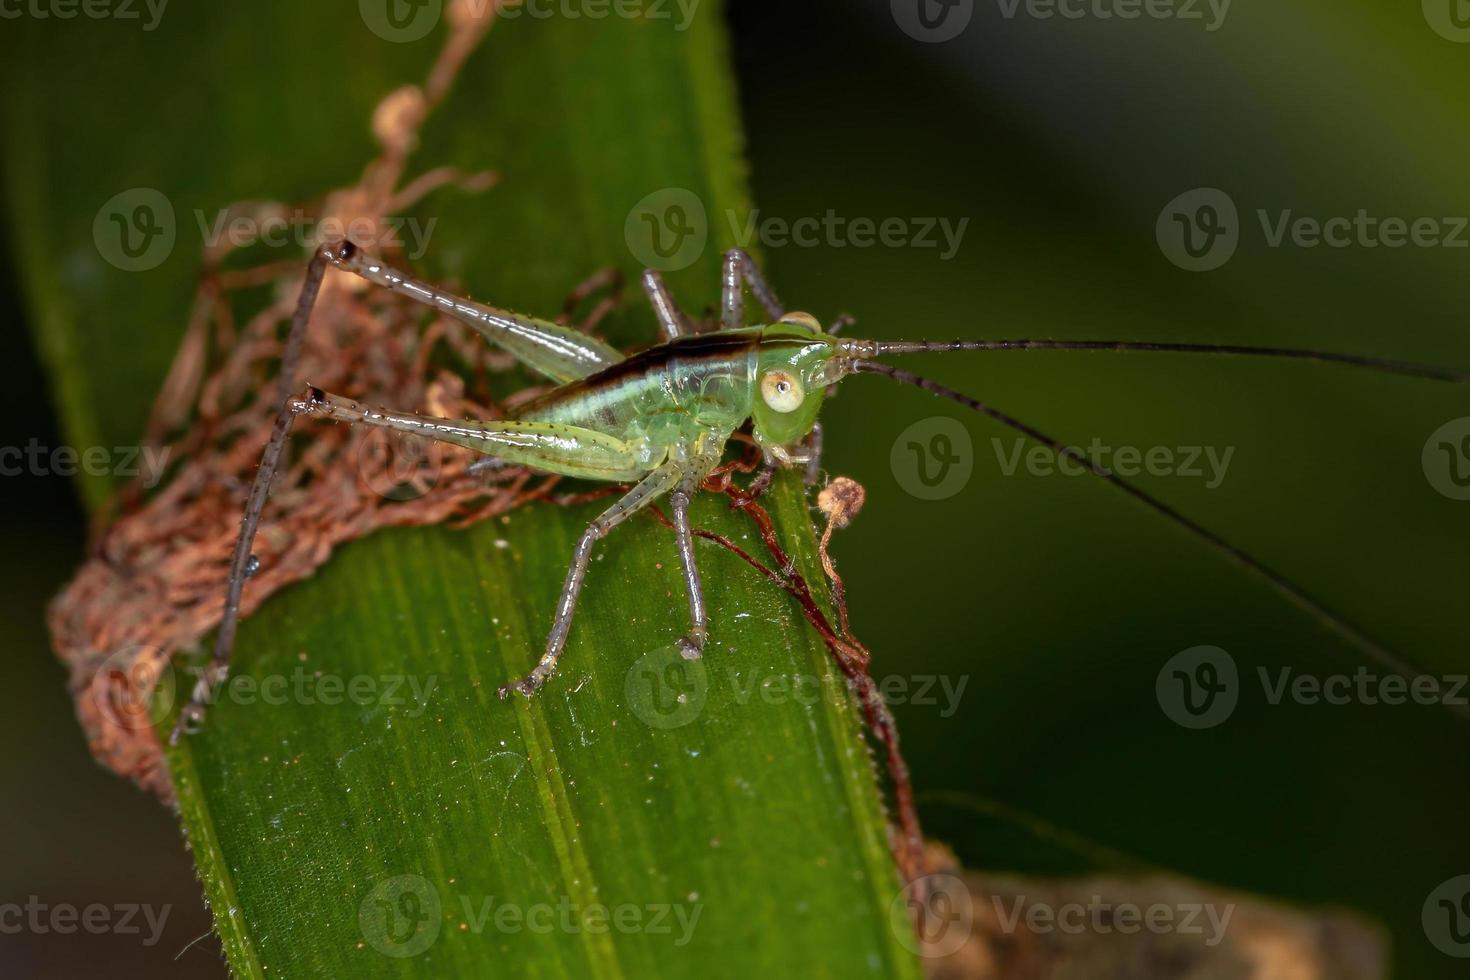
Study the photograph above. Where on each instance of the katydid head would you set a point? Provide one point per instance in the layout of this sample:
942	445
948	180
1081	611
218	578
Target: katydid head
795	363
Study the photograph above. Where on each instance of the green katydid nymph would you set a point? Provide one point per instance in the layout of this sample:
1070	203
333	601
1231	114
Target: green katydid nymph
660	420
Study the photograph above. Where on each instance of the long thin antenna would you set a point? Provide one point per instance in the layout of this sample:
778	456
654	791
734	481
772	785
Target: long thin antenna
1293	592
878	348
240	561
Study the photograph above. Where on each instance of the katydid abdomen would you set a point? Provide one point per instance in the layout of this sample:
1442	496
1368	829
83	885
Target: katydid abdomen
664	395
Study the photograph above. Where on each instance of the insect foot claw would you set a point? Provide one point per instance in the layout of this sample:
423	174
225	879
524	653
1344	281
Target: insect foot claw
525	685
691	647
191	722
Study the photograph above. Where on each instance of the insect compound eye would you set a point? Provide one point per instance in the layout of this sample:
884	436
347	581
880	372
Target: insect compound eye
804	320
782	390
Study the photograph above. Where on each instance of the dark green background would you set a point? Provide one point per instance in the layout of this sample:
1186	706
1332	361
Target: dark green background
1061	141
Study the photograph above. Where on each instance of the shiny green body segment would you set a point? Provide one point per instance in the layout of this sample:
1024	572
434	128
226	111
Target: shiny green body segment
700	385
625	420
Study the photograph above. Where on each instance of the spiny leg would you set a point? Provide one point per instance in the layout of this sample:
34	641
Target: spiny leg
549	446
672	322
241	564
814	440
560	352
691	645
740	266
663	479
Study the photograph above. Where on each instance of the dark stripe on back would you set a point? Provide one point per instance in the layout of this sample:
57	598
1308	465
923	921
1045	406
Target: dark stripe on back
718	345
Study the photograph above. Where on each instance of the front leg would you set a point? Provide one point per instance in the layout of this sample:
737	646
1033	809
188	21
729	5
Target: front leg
806	454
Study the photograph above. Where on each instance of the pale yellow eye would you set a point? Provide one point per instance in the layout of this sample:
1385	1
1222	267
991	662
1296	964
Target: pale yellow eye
798	319
782	390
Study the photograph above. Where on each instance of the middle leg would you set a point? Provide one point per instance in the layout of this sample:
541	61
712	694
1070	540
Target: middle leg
672	321
740	271
663	479
691	645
